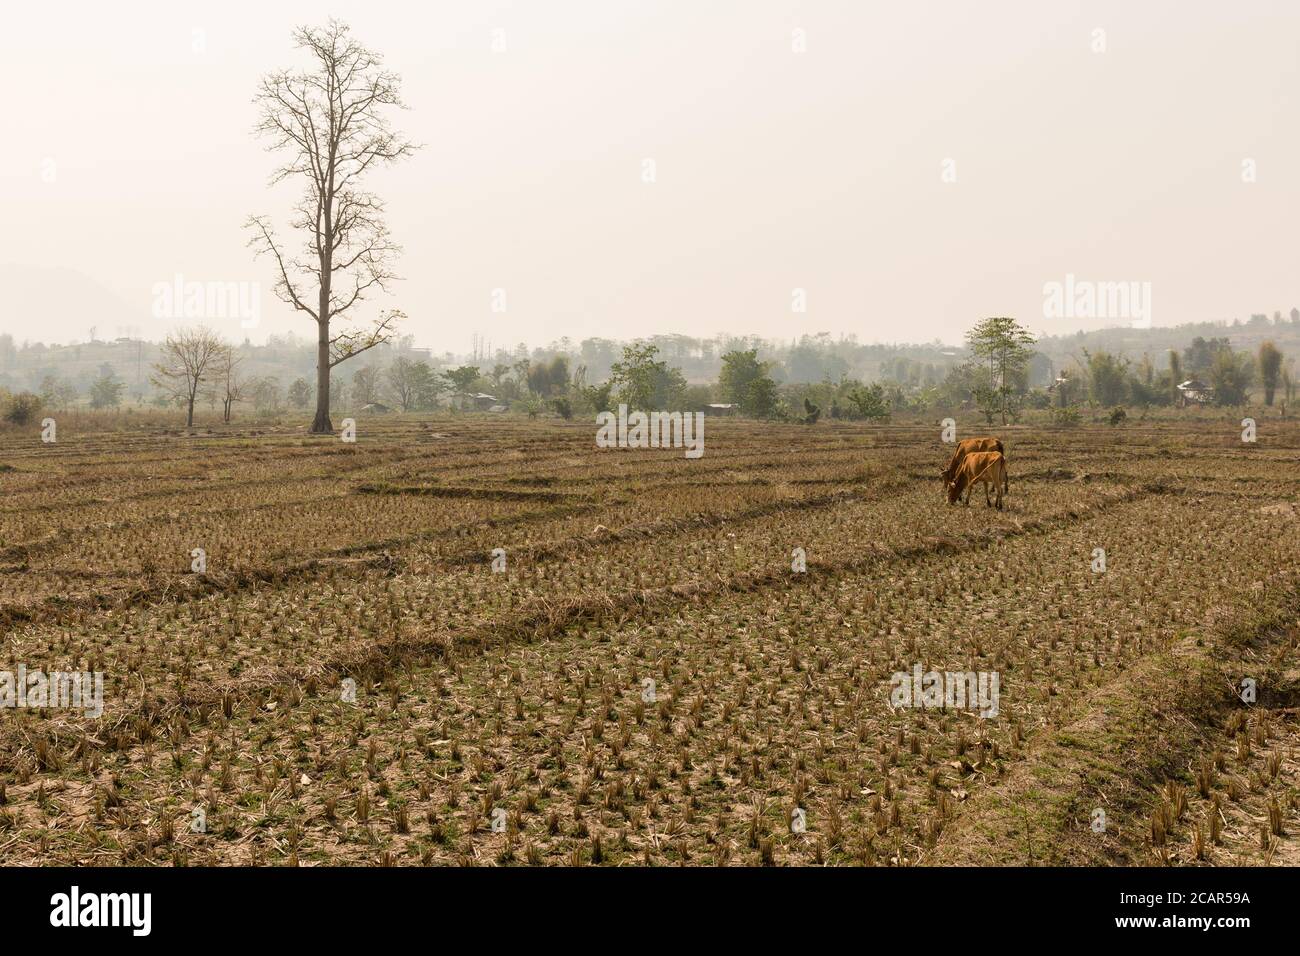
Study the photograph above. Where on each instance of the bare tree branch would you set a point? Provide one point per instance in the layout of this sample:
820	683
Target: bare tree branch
344	345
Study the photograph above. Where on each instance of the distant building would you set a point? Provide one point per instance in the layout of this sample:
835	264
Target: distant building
1194	392
721	408
480	402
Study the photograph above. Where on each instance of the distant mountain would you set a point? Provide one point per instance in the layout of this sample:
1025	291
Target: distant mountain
61	304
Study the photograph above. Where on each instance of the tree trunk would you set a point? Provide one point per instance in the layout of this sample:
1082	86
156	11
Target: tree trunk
322	424
189	413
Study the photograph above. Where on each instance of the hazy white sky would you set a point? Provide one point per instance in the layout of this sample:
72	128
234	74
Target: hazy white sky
128	159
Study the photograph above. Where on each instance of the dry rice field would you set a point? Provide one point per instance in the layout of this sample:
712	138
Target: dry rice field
504	717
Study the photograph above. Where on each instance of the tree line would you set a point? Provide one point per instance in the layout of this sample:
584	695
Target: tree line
197	366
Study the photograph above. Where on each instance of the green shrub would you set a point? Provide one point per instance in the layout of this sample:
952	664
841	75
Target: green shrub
23	409
1066	417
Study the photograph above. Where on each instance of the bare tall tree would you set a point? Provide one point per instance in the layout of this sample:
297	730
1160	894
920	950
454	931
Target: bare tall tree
228	385
330	120
189	356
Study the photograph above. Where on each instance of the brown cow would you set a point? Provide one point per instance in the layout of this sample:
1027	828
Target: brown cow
964	448
986	467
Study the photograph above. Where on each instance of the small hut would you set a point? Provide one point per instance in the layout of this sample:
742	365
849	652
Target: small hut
1194	392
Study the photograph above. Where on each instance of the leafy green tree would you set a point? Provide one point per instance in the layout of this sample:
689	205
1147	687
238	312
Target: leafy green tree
429	384
1199	357
106	391
1067	417
1065	391
969	382
1003	346
549	379
869	402
56	393
1107	377
1270	367
23	408
1232	374
812	361
744	380
365	385
463	379
1143	395
958	386
521	369
415	386
645	383
597	397
266	394
1146	370
987	398
299	393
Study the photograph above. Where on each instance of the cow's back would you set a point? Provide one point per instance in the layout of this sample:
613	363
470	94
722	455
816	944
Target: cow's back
976	466
968	446
976	462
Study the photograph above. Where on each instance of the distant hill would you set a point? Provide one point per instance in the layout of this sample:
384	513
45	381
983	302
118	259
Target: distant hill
1284	332
61	305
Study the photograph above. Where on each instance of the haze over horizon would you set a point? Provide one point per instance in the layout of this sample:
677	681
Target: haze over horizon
132	160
